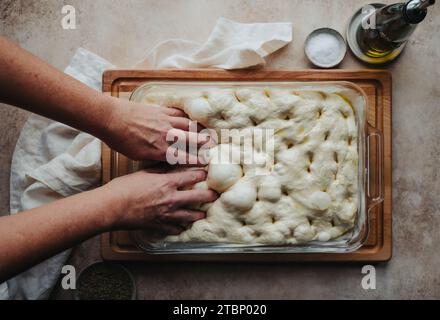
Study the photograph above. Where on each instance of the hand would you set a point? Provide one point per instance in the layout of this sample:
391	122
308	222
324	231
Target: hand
157	201
140	131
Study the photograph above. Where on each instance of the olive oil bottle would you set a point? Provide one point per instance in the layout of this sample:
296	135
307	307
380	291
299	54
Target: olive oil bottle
384	32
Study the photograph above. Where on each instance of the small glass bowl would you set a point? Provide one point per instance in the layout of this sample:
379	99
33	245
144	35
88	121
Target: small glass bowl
342	45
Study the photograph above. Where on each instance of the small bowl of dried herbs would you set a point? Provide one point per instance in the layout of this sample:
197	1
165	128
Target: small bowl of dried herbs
105	281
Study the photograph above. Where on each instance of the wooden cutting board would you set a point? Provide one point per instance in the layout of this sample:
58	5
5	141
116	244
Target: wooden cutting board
377	86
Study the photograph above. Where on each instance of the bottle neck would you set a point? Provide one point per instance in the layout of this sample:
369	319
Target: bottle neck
415	10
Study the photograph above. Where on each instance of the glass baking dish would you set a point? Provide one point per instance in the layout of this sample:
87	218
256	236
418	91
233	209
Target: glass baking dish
350	241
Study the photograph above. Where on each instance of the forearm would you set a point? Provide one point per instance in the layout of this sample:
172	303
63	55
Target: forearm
29	83
31	236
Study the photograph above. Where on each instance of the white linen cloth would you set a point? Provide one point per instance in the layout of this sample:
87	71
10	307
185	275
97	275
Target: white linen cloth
52	161
231	45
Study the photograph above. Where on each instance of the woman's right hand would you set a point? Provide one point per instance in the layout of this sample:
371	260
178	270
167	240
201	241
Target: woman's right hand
157	201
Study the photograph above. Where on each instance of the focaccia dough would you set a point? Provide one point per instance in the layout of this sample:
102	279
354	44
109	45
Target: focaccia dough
310	190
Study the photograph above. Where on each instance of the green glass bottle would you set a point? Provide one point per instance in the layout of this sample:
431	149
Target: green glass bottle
389	28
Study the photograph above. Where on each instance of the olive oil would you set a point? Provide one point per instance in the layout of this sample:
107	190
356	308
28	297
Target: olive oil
387	29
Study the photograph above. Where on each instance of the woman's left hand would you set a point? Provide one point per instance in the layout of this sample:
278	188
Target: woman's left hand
140	131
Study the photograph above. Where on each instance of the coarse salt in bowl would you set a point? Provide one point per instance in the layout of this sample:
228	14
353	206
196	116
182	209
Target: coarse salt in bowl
325	47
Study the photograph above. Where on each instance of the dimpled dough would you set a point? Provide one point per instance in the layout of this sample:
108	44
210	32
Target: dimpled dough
310	190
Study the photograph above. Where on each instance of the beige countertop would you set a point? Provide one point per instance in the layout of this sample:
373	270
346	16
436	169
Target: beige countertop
123	31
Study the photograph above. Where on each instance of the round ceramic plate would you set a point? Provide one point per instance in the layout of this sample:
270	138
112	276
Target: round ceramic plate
355	23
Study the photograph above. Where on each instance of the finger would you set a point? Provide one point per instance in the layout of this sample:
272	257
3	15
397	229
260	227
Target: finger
181	157
186	124
192	137
174	112
163	167
180	123
181	120
184	217
187	178
188	197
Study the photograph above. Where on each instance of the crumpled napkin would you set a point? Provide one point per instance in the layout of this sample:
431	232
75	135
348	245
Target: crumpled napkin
52	160
231	45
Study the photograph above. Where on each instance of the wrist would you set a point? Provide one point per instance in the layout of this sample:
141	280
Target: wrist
107	122
115	203
115	124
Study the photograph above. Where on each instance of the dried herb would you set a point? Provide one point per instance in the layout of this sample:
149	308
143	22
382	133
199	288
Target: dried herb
105	281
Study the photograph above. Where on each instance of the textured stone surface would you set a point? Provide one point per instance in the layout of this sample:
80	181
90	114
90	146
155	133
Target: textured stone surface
11	122
124	31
